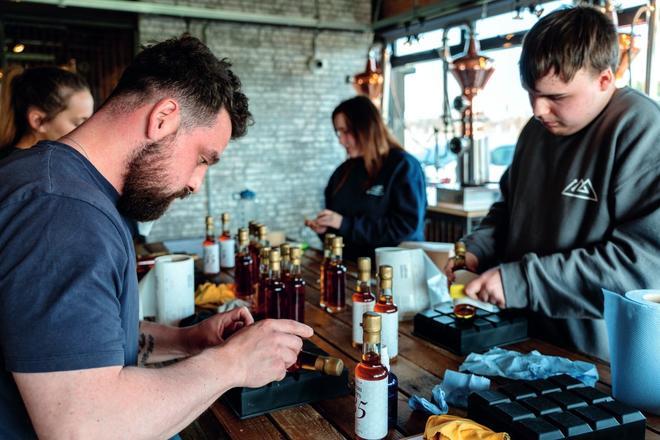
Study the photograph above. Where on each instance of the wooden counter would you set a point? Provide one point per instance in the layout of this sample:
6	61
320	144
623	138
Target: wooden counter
420	366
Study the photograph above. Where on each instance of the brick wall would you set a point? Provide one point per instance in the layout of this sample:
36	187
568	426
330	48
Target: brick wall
290	152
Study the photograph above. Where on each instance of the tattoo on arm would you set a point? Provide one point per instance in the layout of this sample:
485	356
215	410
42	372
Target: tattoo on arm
146	347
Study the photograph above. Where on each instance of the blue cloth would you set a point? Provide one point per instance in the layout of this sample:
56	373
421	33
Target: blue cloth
384	212
68	286
533	365
452	390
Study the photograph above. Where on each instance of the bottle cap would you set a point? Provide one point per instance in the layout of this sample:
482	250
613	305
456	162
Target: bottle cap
225	217
337	243
285	250
274	256
371	325
209	220
296	252
460	249
332	366
327	240
263	232
364	268
385	274
243	235
264	253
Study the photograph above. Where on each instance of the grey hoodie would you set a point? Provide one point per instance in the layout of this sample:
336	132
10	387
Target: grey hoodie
578	213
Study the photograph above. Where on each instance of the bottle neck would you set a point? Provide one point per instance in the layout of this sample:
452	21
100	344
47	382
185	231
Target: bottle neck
336	256
385	295
225	229
363	286
371	352
296	269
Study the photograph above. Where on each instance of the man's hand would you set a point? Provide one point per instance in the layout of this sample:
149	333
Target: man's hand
216	329
488	288
262	352
471	263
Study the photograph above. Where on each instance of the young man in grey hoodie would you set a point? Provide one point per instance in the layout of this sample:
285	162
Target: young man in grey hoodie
580	205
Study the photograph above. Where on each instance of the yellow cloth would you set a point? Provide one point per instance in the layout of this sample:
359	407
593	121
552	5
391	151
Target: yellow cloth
448	427
214	294
457	291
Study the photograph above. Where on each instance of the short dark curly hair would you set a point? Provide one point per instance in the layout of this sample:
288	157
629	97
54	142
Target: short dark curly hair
566	41
186	68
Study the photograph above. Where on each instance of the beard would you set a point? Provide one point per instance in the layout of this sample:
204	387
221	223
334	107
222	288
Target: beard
144	198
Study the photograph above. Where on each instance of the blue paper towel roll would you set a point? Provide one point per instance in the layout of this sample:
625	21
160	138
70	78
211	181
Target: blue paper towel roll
633	327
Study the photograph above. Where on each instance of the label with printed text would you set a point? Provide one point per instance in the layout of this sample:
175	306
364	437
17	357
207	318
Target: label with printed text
359	309
211	258
227	251
371	408
390	332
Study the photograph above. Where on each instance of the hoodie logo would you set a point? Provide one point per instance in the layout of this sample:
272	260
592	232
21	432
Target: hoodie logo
581	189
376	190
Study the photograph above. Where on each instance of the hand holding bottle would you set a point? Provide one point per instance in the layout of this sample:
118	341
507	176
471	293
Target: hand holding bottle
471	264
262	352
216	329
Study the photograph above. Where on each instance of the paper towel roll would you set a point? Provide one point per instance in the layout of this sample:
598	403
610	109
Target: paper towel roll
633	327
175	288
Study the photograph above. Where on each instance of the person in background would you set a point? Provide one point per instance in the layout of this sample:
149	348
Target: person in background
70	341
377	197
41	103
580	205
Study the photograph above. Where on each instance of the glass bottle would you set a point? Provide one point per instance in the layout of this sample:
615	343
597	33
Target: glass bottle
327	248
389	311
275	292
335	279
329	365
285	251
262	282
462	276
363	299
371	383
211	250
261	242
227	244
243	271
296	287
392	390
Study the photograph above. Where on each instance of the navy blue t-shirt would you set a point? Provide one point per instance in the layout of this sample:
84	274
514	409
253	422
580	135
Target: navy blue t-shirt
68	285
384	213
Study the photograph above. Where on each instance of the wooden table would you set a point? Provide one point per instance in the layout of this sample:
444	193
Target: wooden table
420	366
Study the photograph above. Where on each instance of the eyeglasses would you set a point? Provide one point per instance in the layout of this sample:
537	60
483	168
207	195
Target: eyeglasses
342	131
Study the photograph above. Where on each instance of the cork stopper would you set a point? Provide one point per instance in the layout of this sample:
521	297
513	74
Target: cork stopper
328	240
209	220
385	274
264	253
263	232
225	217
371	325
285	250
460	249
243	236
364	268
337	244
331	366
275	256
296	255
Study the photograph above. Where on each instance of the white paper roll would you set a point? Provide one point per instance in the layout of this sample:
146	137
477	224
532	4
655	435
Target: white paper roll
633	328
409	289
175	284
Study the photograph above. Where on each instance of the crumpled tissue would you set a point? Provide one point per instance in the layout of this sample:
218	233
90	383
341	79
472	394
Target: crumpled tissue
533	365
452	390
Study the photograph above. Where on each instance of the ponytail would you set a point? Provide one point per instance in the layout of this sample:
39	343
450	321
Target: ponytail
8	118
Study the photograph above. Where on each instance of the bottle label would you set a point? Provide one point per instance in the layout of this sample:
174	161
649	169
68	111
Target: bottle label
371	408
390	332
227	253
211	258
359	309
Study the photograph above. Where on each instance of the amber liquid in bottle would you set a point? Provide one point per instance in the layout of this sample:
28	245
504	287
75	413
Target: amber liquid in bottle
262	283
327	243
335	279
243	270
211	250
389	312
295	287
277	306
363	299
371	384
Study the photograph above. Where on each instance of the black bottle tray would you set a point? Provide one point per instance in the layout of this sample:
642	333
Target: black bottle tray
438	325
555	408
295	389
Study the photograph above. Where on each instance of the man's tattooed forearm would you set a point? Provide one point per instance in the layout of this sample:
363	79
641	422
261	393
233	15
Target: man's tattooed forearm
146	347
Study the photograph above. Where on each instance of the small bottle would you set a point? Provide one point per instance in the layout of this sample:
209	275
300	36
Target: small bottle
243	271
275	292
462	276
262	282
261	242
371	383
459	256
296	287
335	279
389	311
329	365
327	248
392	390
285	251
227	244
211	250
363	299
